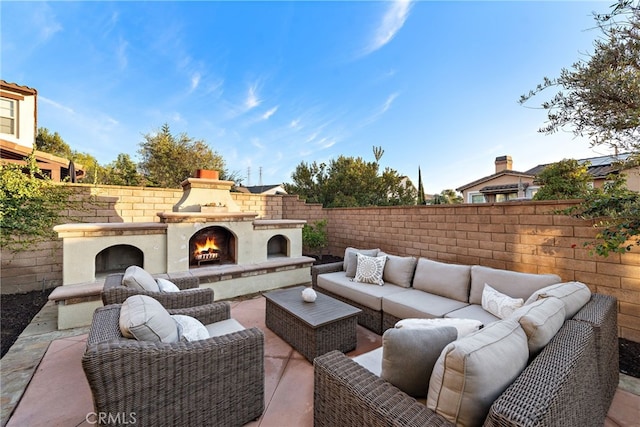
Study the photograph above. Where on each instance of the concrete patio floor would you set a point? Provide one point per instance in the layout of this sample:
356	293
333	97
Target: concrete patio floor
43	383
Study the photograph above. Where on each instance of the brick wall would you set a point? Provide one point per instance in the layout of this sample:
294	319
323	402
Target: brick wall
521	236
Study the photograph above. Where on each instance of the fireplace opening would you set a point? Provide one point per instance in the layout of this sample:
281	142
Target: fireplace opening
210	246
116	259
277	246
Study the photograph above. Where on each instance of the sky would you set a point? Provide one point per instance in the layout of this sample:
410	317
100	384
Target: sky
269	85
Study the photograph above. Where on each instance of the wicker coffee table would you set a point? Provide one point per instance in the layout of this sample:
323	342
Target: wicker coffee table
312	328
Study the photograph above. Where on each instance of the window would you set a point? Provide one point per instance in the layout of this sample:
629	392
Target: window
7	116
477	198
506	196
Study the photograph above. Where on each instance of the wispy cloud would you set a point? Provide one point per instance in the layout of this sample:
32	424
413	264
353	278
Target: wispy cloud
269	113
392	21
295	124
121	53
381	110
55	104
252	100
195	80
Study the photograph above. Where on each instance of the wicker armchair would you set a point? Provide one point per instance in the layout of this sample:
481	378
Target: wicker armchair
216	381
190	296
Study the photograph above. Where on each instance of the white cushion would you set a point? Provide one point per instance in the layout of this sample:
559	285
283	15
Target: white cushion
499	304
473	371
350	262
192	328
463	326
167	286
540	320
145	319
408	356
574	295
399	270
224	327
138	278
370	269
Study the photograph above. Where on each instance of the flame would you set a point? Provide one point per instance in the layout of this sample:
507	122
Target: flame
208	246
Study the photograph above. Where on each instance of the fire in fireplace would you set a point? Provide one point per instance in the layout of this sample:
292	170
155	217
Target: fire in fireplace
212	245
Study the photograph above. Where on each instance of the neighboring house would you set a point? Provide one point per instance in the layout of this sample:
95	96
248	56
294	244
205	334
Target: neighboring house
18	130
506	184
263	189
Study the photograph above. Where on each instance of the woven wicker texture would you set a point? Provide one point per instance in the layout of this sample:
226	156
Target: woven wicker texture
214	382
189	296
348	395
317	328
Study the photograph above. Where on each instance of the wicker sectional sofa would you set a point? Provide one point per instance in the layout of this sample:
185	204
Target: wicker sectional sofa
570	381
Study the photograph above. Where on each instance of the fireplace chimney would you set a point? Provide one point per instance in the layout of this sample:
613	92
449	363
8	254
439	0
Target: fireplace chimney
504	163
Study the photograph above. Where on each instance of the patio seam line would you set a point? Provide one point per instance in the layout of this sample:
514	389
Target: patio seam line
284	368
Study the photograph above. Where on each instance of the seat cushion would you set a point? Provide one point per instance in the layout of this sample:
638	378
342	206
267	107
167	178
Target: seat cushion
399	270
145	319
138	278
167	286
418	304
408	356
350	262
446	280
473	371
371	360
224	327
512	283
540	320
362	293
370	269
574	295
473	311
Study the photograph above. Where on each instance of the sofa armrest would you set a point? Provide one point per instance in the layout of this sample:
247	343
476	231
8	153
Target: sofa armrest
346	394
324	268
558	388
186	298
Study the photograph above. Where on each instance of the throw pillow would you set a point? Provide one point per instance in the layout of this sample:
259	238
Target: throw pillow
192	328
463	326
167	286
370	269
399	270
145	319
138	278
499	304
408	356
473	371
574	295
540	320
350	263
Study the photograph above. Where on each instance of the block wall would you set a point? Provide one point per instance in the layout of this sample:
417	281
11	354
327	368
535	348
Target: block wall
521	236
41	268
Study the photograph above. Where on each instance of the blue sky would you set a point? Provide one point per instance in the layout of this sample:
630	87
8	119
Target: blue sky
271	84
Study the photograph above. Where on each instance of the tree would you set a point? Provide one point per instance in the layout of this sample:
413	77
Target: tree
94	173
421	198
566	179
167	160
600	97
314	237
52	144
350	182
447	197
123	171
30	205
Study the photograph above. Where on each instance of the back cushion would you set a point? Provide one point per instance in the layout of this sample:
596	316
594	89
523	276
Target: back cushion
399	270
512	283
350	263
138	278
473	371
446	280
540	320
145	319
574	295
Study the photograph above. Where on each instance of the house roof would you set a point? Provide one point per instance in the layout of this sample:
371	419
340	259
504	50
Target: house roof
599	167
259	189
508	172
10	152
14	87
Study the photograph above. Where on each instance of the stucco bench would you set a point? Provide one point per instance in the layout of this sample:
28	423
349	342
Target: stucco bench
76	303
